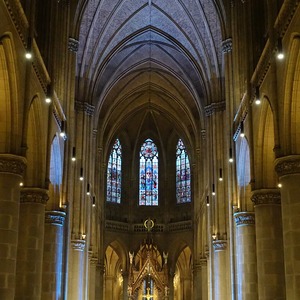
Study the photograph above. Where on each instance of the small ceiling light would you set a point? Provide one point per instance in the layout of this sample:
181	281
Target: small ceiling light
213	190
230	156
279	185
48	94
257	97
221	175
74	154
81	174
242	133
94	201
28	54
207	200
88	189
280	54
63	131
21	183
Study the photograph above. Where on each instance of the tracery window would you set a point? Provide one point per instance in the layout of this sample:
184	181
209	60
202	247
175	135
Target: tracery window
114	174
183	174
148	182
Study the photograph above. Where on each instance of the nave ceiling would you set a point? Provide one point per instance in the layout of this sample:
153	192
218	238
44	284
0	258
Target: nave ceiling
151	61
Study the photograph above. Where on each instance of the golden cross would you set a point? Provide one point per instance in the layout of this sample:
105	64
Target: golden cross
148	296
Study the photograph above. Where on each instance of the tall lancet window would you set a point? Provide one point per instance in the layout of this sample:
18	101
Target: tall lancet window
148	174
183	174
114	174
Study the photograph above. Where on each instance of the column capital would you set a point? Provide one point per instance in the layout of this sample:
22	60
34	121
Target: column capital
244	218
73	44
266	197
84	107
219	245
287	165
34	195
227	45
214	107
14	164
55	217
94	261
78	245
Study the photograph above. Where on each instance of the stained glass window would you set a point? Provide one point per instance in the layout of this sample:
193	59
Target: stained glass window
183	174
148	174
114	174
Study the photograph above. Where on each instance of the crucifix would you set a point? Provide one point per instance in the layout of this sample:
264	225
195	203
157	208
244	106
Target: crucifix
148	296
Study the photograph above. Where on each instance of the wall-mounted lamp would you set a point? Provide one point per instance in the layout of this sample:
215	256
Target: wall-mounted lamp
48	94
207	200
221	175
242	133
213	190
63	130
280	54
28	53
88	189
81	174
73	154
257	96
230	156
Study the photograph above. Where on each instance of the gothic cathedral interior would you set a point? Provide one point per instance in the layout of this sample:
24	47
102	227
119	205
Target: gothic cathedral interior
149	149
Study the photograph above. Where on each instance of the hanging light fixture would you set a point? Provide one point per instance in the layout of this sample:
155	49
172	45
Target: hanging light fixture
81	174
242	133
88	189
63	130
48	94
230	156
73	154
257	96
28	53
213	190
220	174
280	54
207	200
94	201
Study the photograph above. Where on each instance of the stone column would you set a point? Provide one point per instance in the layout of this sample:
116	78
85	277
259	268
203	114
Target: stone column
204	279
100	281
246	264
187	288
11	170
197	282
92	278
76	270
125	285
53	255
219	270
109	287
171	286
288	170
269	244
31	243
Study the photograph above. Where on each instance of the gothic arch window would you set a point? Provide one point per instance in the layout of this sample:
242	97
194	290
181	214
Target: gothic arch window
183	174
148	183
114	174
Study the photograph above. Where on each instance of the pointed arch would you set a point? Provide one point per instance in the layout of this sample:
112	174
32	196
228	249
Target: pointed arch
114	174
183	174
148	179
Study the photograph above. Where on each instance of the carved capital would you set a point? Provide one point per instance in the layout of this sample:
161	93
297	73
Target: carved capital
227	45
219	245
73	44
287	165
78	245
215	107
244	218
12	164
94	261
85	107
34	195
266	197
55	217
203	262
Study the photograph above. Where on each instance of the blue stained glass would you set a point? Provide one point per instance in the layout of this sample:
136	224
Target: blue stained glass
114	174
183	174
148	194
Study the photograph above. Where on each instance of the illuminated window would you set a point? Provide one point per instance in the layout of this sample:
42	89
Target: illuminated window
183	174
148	174
114	172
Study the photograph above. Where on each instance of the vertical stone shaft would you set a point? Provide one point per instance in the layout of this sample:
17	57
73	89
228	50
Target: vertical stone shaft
246	256
197	282
92	278
204	279
220	274
288	170
31	243
11	170
269	244
53	255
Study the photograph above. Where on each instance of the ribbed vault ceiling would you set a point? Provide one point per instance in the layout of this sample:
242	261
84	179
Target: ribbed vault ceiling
149	57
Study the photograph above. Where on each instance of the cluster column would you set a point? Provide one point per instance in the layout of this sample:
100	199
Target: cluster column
31	243
11	170
246	256
53	255
288	170
269	244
